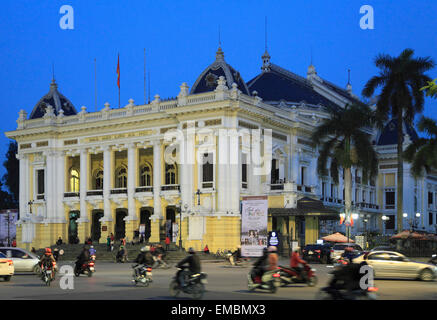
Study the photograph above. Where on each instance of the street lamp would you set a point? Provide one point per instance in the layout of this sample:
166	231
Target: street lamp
405	215
198	193
384	220
180	223
8	219
416	220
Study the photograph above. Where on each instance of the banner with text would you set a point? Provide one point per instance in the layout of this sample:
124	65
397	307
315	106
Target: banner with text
254	226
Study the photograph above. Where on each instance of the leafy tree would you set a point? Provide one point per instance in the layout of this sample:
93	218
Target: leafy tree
422	153
431	89
400	79
342	138
11	178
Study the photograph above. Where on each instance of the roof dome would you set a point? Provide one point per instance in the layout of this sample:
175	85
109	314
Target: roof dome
389	134
207	81
55	99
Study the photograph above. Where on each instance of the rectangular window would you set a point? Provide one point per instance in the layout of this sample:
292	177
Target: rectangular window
364	197
274	174
323	189
40	181
302	175
390	180
390	224
389	199
244	171
207	171
332	191
430	198
430	214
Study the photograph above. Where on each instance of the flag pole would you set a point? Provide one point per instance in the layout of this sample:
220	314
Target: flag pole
95	83
144	75
118	78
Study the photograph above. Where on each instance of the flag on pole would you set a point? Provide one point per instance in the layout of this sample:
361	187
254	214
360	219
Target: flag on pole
118	71
118	78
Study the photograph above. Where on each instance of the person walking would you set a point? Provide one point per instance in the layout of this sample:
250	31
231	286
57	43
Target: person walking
108	242
167	243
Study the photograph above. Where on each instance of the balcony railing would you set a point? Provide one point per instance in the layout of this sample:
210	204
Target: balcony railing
389	206
144	189
169	187
95	193
40	197
207	185
367	205
119	191
71	194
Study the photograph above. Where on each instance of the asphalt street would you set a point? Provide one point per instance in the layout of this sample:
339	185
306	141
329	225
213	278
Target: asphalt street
113	282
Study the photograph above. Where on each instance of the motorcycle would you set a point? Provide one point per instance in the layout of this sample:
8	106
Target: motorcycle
143	276
329	293
160	263
195	284
48	274
86	268
270	281
433	259
290	275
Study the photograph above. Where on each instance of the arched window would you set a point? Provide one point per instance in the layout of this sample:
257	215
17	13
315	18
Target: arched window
98	180
146	175
171	174
121	178
74	180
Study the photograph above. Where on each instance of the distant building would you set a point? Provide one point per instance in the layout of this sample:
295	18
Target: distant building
94	173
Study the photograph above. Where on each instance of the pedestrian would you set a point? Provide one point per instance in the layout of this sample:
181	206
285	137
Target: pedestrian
112	237
59	242
206	250
108	242
14	243
123	241
167	243
33	250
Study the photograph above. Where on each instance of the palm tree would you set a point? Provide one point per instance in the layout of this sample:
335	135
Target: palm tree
400	79
422	153
342	138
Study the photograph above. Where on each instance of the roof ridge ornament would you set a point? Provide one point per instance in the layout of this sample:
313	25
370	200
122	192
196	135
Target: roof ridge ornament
219	55
266	61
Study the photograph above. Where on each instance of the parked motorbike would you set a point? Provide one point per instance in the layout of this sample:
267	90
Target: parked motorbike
270	281
144	275
195	285
290	275
87	268
433	259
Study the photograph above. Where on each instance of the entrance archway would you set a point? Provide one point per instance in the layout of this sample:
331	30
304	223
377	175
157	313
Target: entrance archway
72	227
120	224
170	218
145	214
96	225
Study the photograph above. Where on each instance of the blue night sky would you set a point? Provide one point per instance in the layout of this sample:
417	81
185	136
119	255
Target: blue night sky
181	38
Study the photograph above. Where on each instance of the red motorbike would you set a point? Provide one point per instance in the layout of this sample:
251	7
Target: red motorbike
86	268
290	275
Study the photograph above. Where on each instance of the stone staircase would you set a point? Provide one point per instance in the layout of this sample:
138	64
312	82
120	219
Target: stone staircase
71	251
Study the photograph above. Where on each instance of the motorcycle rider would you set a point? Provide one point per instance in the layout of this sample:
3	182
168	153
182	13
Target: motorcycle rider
144	258
193	267
349	254
346	277
273	258
296	261
83	257
47	261
259	265
159	254
92	251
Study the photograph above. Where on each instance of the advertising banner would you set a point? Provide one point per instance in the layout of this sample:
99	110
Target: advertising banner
254	226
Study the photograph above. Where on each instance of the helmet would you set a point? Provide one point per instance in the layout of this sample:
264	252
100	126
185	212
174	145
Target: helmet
265	250
48	250
91	247
272	249
144	249
349	249
296	249
191	250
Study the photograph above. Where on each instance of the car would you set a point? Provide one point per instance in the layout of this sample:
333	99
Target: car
338	249
317	252
384	248
24	261
392	264
6	267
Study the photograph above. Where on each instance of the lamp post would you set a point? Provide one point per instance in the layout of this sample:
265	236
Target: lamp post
198	193
405	215
384	220
8	219
416	220
180	222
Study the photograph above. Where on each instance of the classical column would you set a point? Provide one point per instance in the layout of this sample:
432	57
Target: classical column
131	173
49	191
83	185
24	183
223	161
60	187
107	167
157	161
233	172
